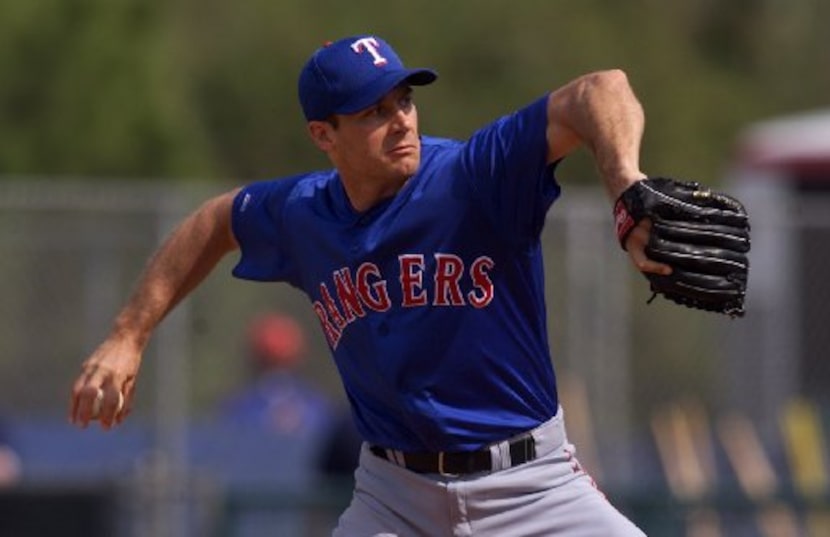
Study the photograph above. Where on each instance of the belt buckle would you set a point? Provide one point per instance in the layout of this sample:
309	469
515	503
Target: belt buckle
441	466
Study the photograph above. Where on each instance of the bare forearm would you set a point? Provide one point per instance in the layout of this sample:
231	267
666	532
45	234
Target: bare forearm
601	112
178	266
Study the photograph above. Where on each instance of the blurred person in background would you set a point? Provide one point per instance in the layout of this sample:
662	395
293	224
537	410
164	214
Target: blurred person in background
277	403
10	466
278	399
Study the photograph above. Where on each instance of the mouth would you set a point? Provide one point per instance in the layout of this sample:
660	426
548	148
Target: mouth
403	150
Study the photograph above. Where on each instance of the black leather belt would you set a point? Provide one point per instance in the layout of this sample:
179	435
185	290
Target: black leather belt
453	463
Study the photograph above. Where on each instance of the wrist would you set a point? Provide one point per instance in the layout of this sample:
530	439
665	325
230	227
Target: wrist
628	210
126	334
619	181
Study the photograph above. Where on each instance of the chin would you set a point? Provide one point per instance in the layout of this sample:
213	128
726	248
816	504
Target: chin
409	166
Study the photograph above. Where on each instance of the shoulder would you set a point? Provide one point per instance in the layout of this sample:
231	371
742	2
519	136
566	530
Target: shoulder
529	120
435	150
299	184
434	143
305	185
530	116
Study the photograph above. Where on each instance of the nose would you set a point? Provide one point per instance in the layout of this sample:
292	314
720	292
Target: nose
403	118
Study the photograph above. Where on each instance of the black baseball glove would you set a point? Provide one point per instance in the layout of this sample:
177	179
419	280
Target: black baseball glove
702	235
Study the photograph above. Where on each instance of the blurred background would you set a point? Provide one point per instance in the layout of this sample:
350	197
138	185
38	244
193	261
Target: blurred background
117	118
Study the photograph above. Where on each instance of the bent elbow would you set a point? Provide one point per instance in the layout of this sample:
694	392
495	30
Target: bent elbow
611	81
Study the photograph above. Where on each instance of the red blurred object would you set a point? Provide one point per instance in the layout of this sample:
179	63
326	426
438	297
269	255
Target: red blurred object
276	341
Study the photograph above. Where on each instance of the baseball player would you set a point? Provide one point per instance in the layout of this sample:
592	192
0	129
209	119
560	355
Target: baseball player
421	258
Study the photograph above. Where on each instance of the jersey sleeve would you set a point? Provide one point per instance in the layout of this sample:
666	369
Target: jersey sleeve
506	164
257	223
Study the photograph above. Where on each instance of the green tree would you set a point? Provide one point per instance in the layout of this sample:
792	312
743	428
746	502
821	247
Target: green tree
207	89
92	87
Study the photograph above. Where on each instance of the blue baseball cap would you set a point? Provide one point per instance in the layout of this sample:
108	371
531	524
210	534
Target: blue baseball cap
351	74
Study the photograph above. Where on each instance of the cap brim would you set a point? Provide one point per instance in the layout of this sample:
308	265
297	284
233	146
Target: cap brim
375	91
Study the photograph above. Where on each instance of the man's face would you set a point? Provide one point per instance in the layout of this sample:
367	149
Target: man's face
378	143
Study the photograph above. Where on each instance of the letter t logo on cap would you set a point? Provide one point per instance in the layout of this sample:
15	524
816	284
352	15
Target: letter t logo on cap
370	44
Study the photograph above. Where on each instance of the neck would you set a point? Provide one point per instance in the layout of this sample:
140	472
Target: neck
364	194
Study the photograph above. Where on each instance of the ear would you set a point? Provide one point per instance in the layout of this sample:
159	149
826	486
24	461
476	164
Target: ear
322	134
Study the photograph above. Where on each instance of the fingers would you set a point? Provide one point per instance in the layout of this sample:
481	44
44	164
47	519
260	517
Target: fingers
82	404
109	404
100	394
126	408
103	402
636	247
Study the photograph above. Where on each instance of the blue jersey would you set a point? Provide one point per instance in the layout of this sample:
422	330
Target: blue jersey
432	301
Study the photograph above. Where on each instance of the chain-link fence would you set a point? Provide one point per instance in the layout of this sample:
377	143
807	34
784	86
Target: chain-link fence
687	419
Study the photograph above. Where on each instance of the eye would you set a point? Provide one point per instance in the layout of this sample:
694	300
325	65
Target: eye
372	111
